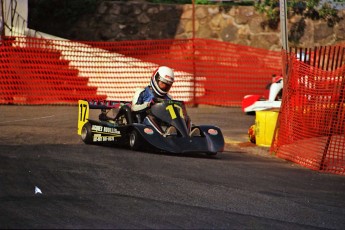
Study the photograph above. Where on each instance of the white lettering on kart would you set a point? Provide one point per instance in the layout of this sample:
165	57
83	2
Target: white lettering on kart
97	128
99	137
108	138
101	129
110	132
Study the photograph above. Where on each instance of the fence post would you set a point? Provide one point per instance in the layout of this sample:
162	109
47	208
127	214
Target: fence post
194	104
334	118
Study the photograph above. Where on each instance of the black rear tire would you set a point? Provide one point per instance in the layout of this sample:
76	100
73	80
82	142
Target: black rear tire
86	133
134	140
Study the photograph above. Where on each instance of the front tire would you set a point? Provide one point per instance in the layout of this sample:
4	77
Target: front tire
134	140
86	133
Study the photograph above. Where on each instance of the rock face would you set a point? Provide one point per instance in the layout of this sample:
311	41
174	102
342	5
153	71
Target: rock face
139	20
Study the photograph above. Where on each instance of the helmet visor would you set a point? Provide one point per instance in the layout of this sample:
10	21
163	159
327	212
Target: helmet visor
166	79
164	86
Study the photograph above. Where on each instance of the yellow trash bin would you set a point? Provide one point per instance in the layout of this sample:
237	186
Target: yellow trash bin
265	123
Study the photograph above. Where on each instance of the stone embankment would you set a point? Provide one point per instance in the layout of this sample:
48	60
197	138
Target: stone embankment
139	20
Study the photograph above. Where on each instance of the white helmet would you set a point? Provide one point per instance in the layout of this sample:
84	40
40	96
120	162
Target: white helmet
163	74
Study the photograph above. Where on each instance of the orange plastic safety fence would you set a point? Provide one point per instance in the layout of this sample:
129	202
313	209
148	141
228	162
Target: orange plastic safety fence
33	72
41	71
223	73
311	124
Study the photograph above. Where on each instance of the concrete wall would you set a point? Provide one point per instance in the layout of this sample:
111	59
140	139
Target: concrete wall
15	15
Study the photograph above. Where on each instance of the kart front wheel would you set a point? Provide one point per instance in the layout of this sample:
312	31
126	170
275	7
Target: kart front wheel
86	133
134	140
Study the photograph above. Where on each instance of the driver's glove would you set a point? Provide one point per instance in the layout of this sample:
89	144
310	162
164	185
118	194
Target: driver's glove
152	102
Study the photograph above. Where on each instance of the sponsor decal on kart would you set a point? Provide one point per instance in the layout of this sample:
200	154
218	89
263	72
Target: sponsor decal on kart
103	134
106	130
212	132
148	131
99	137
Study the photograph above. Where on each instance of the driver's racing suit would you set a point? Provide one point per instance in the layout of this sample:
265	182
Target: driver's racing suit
143	99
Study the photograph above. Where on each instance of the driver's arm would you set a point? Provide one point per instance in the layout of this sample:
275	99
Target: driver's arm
138	95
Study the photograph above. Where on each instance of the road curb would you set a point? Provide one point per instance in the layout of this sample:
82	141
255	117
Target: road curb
230	141
248	147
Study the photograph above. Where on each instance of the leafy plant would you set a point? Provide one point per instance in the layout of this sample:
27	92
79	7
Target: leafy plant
271	9
201	2
205	2
329	14
171	1
312	9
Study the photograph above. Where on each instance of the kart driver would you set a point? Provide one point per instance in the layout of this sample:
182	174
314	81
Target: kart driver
160	84
161	81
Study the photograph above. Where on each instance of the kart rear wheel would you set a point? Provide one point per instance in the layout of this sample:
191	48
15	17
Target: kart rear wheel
134	140
86	133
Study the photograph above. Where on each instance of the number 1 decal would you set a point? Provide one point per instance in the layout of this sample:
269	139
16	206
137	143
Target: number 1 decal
171	110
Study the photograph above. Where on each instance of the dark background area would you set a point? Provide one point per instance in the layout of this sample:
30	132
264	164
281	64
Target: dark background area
65	18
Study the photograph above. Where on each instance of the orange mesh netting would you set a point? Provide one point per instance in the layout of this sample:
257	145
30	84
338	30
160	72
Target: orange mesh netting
41	71
223	73
310	128
311	124
33	72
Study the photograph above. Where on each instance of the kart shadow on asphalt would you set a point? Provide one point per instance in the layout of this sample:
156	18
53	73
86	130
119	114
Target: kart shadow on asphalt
230	153
157	152
188	155
225	155
233	156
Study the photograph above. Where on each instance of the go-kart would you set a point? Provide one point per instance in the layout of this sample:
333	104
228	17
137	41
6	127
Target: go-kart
252	103
176	135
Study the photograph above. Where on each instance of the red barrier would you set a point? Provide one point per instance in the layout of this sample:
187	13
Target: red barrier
41	71
227	71
311	128
311	122
33	75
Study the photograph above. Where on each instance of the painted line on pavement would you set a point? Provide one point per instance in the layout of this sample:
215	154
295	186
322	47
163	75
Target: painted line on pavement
30	119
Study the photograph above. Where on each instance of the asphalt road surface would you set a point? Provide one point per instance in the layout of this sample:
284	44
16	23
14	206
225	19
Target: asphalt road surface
87	186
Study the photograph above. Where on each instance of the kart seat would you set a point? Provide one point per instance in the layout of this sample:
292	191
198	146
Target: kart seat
104	117
138	117
125	111
124	116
